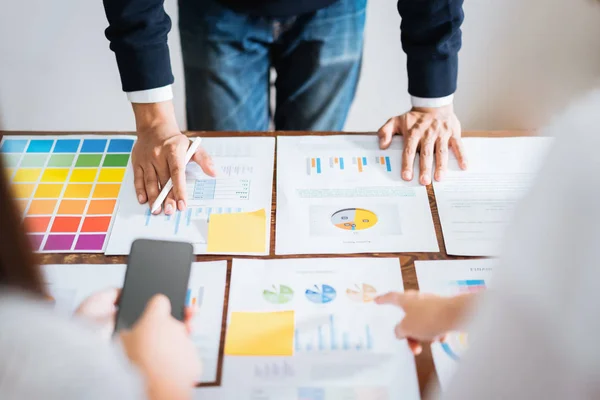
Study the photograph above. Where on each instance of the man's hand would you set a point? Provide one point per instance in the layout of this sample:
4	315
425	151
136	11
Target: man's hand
159	154
427	317
427	129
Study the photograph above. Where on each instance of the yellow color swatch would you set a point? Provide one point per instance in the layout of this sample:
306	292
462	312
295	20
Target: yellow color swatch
23	190
83	175
48	191
111	175
55	175
260	334
78	191
27	175
237	233
106	191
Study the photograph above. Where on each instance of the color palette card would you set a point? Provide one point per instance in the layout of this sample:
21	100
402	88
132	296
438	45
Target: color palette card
67	187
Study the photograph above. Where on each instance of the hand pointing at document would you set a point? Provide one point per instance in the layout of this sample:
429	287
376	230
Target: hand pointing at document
159	154
430	131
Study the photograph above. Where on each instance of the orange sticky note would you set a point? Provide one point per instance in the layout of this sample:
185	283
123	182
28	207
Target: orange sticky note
260	334
237	233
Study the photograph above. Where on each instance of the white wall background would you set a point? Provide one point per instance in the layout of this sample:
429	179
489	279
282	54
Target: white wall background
521	61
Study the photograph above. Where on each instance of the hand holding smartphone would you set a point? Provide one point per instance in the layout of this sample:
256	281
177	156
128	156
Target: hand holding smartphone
154	267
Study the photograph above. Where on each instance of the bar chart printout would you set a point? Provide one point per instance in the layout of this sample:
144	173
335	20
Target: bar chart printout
328	165
331	335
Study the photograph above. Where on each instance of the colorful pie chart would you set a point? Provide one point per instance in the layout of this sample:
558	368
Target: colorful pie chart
280	294
455	345
321	294
354	219
362	293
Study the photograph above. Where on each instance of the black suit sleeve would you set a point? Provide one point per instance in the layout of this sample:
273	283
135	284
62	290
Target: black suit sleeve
431	39
137	33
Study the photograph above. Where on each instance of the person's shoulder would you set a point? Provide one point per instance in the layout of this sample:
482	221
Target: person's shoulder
52	356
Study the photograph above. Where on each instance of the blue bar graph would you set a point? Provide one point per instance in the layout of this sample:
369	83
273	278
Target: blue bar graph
364	161
318	165
188	217
332	332
148	215
327	336
177	221
341	163
388	165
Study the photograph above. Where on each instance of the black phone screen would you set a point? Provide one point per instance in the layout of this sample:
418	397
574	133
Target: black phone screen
154	267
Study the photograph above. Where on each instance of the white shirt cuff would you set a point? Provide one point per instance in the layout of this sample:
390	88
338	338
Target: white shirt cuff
156	95
433	102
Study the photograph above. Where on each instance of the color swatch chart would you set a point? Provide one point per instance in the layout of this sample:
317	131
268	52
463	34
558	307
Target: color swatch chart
67	187
318	165
221	189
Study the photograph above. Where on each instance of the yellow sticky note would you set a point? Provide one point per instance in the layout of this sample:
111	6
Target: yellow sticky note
260	334
237	233
55	175
111	175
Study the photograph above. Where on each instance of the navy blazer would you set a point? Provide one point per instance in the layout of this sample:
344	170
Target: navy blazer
430	34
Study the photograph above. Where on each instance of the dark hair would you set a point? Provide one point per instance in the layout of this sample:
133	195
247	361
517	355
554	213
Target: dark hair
18	265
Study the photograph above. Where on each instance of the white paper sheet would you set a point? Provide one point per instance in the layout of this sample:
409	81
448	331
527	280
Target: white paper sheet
70	284
476	205
341	194
244	183
344	344
449	278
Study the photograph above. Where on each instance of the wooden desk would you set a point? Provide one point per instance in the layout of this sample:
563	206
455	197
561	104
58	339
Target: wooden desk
425	367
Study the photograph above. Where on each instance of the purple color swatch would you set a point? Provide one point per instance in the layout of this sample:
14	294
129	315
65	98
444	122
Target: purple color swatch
90	242
36	241
59	242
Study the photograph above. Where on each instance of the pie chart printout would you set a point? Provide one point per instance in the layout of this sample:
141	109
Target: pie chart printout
354	219
278	294
321	294
363	293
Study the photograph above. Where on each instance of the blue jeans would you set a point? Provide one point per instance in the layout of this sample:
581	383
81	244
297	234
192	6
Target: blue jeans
227	57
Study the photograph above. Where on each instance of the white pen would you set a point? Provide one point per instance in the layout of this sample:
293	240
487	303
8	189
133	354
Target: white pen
167	188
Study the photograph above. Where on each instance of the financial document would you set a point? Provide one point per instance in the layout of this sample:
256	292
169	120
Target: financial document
309	329
450	278
68	285
342	194
229	214
476	205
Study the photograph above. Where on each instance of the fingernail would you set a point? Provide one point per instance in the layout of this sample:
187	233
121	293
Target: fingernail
157	211
141	198
181	205
168	209
406	175
425	179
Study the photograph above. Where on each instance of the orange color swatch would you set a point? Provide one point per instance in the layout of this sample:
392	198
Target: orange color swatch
48	191
95	224
78	191
71	207
40	207
65	224
36	224
101	207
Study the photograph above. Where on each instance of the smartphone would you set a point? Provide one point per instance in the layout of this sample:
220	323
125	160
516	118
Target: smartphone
154	266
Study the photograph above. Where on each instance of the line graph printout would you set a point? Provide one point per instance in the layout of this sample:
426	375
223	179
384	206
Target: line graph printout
342	194
291	324
69	284
243	185
450	278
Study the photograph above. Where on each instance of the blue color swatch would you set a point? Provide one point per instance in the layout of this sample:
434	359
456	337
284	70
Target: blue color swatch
120	146
13	146
93	146
40	146
66	146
